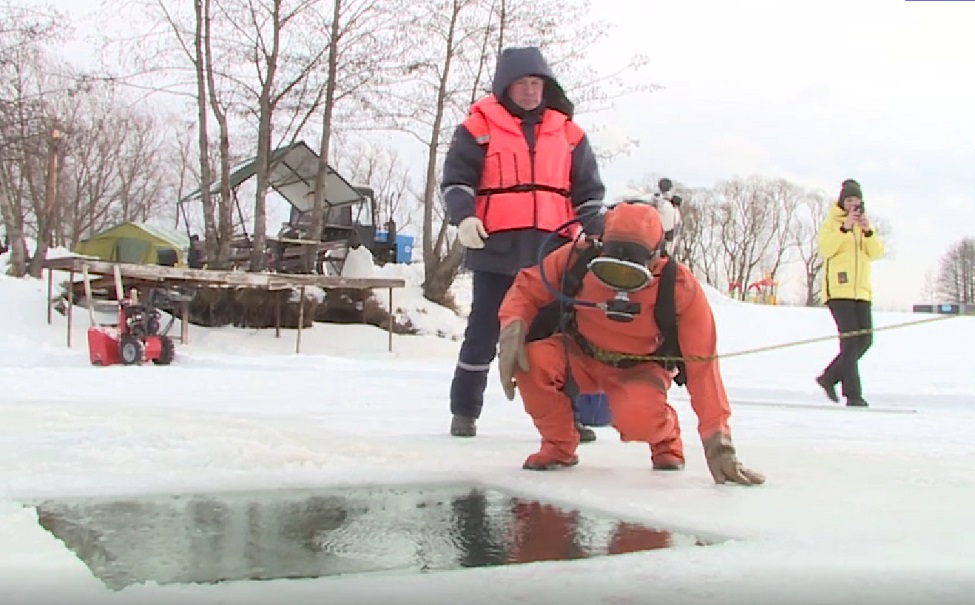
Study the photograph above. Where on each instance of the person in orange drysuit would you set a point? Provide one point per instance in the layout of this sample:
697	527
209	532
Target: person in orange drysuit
636	393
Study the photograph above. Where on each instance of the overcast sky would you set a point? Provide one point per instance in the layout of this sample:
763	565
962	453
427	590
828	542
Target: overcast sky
816	91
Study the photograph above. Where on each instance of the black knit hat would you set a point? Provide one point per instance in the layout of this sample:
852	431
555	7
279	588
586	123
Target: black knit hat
850	188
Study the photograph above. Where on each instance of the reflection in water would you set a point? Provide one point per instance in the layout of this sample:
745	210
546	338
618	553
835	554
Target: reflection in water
304	534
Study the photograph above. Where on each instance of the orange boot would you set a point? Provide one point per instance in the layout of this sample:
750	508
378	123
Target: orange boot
549	407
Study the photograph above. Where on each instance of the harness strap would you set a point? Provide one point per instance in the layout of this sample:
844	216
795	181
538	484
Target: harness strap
524	188
610	358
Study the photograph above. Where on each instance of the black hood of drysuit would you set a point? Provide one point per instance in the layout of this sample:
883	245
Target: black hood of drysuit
517	63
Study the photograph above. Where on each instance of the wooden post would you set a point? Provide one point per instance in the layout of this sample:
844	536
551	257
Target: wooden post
50	294
277	313
184	321
86	279
119	291
301	319
390	346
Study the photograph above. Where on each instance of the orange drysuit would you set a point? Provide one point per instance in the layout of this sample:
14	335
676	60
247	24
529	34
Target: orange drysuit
637	396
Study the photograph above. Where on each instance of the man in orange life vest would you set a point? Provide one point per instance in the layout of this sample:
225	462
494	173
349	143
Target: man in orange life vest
517	169
591	350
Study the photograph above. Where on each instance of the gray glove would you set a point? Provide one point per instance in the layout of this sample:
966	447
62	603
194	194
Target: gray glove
724	464
511	351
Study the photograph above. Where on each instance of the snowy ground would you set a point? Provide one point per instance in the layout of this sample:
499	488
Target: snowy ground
860	506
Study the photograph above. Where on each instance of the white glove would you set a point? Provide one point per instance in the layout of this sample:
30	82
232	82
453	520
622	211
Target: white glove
471	233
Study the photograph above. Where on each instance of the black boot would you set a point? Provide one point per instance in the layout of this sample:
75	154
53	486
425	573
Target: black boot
463	426
830	389
856	402
586	434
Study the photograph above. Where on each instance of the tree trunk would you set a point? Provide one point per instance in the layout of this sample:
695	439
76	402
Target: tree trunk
225	203
328	110
45	217
437	284
15	242
203	70
258	260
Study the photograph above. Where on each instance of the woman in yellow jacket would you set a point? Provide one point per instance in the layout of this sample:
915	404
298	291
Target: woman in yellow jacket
848	244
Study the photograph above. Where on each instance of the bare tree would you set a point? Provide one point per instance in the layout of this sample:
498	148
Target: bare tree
384	171
746	228
783	199
450	66
25	122
243	62
421	110
810	216
270	35
363	38
956	273
115	164
929	288
700	238
216	235
34	150
174	55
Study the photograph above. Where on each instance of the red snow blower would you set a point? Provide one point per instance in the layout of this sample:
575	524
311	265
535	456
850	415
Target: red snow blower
136	339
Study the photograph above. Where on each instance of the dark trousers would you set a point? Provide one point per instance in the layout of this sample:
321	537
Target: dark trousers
480	343
849	315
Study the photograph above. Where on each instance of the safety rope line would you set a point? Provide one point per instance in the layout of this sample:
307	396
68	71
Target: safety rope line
611	357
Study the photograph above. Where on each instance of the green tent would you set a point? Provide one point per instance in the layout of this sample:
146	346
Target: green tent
137	243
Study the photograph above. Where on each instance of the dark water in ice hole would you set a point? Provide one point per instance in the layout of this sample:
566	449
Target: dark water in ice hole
266	535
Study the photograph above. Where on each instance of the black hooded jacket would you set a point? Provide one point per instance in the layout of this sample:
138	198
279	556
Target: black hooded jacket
509	251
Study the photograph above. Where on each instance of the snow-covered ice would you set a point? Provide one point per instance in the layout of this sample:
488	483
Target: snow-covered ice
859	506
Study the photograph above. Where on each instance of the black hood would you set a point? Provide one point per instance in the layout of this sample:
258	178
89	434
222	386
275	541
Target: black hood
517	63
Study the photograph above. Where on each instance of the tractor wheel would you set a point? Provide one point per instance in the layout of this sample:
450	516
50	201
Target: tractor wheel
167	351
130	349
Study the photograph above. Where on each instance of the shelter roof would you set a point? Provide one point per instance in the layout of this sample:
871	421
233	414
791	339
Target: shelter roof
293	170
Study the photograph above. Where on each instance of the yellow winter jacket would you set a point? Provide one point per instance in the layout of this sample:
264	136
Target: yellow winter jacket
846	256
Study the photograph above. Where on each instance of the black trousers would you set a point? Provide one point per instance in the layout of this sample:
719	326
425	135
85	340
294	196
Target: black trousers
849	315
480	343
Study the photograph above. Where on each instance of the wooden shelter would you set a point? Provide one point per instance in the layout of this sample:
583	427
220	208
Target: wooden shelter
161	276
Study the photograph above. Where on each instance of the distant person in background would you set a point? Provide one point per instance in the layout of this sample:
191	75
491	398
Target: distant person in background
195	259
516	170
668	203
848	244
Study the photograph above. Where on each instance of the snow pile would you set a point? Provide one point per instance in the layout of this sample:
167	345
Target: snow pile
409	304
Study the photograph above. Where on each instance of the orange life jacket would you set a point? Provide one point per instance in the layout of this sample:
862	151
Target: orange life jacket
518	190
